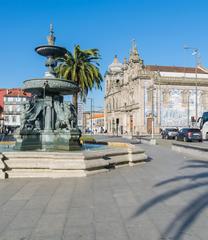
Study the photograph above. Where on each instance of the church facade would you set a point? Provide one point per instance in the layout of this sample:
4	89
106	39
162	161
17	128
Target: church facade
143	99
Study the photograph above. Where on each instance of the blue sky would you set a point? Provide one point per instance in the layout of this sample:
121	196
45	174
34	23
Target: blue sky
161	28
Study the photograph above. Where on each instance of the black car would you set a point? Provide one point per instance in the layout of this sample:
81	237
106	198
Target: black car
169	133
189	134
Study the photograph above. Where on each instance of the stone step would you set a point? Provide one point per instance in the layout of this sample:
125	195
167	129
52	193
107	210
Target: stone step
70	164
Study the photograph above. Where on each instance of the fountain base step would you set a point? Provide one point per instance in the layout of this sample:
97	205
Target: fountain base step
67	164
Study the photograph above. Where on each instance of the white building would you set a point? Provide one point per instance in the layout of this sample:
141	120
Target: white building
13	103
96	122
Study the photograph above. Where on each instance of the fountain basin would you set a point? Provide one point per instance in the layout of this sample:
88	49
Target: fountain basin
52	51
54	86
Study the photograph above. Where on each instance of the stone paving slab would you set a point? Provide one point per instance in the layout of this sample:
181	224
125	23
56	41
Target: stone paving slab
166	198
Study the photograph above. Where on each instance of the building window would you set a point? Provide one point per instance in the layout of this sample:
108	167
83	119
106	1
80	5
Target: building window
18	108
113	104
149	95
116	103
184	97
6	108
10	99
14	107
14	119
6	119
166	97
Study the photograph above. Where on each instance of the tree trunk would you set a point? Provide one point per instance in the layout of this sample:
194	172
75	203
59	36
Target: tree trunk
75	101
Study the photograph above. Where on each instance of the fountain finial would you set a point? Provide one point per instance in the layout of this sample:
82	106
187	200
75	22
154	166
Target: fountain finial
51	38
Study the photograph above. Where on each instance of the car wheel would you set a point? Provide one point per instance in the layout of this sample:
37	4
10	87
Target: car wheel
185	139
200	140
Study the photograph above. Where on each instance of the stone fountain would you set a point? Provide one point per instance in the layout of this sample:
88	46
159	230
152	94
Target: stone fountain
49	125
47	122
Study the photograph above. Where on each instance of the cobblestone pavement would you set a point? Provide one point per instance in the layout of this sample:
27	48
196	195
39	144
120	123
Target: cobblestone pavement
166	198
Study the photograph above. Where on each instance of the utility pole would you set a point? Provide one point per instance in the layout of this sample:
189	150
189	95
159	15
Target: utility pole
152	111
91	114
188	108
196	53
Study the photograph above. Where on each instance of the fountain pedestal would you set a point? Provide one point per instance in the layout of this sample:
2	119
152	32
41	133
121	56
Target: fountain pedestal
47	122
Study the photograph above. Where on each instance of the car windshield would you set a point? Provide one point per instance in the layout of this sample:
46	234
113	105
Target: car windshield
172	130
205	116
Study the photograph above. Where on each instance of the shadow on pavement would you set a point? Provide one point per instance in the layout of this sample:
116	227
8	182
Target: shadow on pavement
189	214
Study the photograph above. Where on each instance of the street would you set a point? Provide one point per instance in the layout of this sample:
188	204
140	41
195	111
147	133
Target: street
159	140
168	142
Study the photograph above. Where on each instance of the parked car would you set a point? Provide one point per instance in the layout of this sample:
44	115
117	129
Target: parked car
169	133
189	134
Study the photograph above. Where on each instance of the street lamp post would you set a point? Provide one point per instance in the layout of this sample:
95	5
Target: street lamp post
90	114
195	52
152	112
151	90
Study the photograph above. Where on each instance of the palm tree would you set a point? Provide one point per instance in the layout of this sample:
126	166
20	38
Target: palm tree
82	68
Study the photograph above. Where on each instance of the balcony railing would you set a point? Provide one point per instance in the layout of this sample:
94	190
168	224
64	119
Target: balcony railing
6	102
13	112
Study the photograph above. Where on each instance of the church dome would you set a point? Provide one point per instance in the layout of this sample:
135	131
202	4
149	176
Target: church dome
115	66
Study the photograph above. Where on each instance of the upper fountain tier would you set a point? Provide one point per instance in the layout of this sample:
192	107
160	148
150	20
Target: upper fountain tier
51	50
50	84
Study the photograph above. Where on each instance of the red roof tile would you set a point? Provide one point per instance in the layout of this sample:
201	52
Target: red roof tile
17	92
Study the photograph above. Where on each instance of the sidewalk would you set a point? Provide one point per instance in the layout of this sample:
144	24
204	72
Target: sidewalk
151	201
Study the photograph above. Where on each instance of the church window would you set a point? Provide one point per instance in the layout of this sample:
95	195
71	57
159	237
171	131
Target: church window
116	103
109	105
113	103
184	97
149	95
166	96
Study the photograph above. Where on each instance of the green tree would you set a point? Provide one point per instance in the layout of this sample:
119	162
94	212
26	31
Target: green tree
81	66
